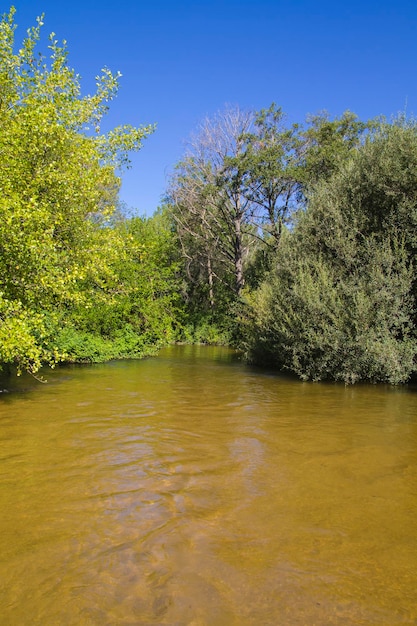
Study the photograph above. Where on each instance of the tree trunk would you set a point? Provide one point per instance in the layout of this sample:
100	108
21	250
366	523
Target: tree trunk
238	260
210	282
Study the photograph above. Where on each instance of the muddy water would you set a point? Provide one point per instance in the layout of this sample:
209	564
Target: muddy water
191	490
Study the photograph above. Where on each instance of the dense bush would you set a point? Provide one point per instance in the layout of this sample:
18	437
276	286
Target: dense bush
340	301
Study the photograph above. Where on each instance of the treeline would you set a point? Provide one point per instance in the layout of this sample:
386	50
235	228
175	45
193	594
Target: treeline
302	240
294	242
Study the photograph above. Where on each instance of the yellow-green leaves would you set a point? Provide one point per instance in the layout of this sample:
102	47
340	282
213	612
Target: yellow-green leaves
58	185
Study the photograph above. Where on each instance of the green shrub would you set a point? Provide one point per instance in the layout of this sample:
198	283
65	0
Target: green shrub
340	301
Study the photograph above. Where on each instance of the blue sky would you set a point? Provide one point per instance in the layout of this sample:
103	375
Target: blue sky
184	60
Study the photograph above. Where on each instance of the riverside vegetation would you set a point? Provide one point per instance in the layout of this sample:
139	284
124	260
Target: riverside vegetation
296	243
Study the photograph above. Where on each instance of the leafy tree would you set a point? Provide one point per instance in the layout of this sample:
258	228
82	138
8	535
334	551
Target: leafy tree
151	271
320	324
340	302
282	163
271	165
243	179
58	182
325	144
133	303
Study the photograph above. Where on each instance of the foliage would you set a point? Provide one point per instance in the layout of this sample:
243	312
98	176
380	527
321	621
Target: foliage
340	301
150	276
132	303
270	162
322	326
58	182
236	191
205	331
325	144
79	346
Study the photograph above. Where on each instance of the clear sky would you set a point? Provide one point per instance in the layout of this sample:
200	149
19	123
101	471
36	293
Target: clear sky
182	60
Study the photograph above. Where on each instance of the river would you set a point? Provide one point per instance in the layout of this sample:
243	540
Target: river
190	489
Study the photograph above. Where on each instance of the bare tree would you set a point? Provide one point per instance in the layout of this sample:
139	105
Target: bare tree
209	201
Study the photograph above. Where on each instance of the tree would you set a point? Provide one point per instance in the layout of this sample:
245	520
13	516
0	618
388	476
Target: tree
243	179
133	301
271	165
283	163
340	302
325	144
208	201
58	181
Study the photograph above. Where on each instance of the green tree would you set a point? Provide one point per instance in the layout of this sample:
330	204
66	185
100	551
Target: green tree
325	144
242	181
150	274
133	301
340	302
58	182
271	165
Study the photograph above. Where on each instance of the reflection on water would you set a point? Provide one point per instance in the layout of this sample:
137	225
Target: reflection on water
190	489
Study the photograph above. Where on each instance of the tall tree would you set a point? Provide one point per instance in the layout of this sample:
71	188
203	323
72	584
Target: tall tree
208	200
242	180
271	164
340	301
58	180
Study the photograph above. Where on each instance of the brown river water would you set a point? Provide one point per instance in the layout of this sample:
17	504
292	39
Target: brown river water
189	489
